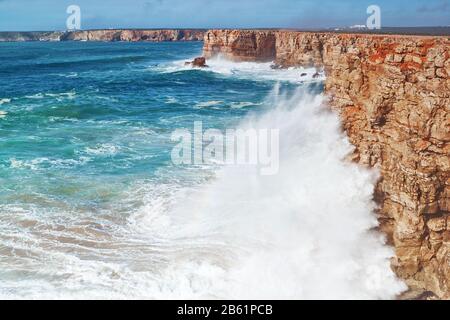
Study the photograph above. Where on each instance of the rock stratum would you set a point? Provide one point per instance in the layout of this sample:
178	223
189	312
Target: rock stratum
131	35
393	95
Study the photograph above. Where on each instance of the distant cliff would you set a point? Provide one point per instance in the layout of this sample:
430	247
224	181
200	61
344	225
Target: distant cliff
30	36
393	95
108	35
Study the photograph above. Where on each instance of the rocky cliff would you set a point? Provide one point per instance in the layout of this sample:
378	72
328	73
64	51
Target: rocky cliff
30	36
135	35
107	35
393	96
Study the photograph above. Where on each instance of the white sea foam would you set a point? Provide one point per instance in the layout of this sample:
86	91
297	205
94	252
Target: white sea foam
71	75
3	114
251	70
35	96
4	101
207	104
55	119
105	149
243	104
43	162
171	100
63	95
68	95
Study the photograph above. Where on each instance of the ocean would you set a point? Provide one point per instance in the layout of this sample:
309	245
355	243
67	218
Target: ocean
92	205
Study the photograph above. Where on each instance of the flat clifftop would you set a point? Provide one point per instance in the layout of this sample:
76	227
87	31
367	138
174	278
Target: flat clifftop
286	46
393	96
133	35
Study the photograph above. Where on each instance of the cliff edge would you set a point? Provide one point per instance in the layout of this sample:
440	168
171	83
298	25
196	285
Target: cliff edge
393	95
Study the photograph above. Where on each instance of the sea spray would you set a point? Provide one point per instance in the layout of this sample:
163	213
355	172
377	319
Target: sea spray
233	147
304	233
250	70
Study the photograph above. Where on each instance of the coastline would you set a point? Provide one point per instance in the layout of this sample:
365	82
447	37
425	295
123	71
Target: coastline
130	35
197	34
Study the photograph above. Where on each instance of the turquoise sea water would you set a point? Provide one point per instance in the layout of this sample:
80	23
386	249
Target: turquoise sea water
83	115
91	205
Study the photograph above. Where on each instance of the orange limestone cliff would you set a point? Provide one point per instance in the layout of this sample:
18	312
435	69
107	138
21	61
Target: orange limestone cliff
393	95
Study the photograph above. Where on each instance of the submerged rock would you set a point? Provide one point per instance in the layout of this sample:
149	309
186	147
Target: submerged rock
198	62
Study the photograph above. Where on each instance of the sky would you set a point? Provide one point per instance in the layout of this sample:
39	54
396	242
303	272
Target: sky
27	15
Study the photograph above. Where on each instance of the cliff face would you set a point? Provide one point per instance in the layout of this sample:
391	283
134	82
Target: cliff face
106	35
240	45
393	96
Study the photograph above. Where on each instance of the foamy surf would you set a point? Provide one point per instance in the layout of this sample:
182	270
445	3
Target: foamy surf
207	104
306	233
43	163
250	70
61	95
105	149
244	104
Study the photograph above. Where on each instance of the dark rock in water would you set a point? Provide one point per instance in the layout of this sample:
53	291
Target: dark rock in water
316	75
199	62
276	66
304	74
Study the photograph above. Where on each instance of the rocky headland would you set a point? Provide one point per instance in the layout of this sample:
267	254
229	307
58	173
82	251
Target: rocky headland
132	35
393	95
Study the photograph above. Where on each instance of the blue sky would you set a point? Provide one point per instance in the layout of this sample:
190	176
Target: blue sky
24	15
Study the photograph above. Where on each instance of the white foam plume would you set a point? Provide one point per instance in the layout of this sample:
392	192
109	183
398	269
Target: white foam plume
304	233
251	70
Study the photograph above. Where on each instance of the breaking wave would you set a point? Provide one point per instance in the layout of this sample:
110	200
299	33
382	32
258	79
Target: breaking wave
251	70
305	233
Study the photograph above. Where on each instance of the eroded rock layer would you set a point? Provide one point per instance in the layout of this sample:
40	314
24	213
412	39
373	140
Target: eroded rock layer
240	45
393	96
